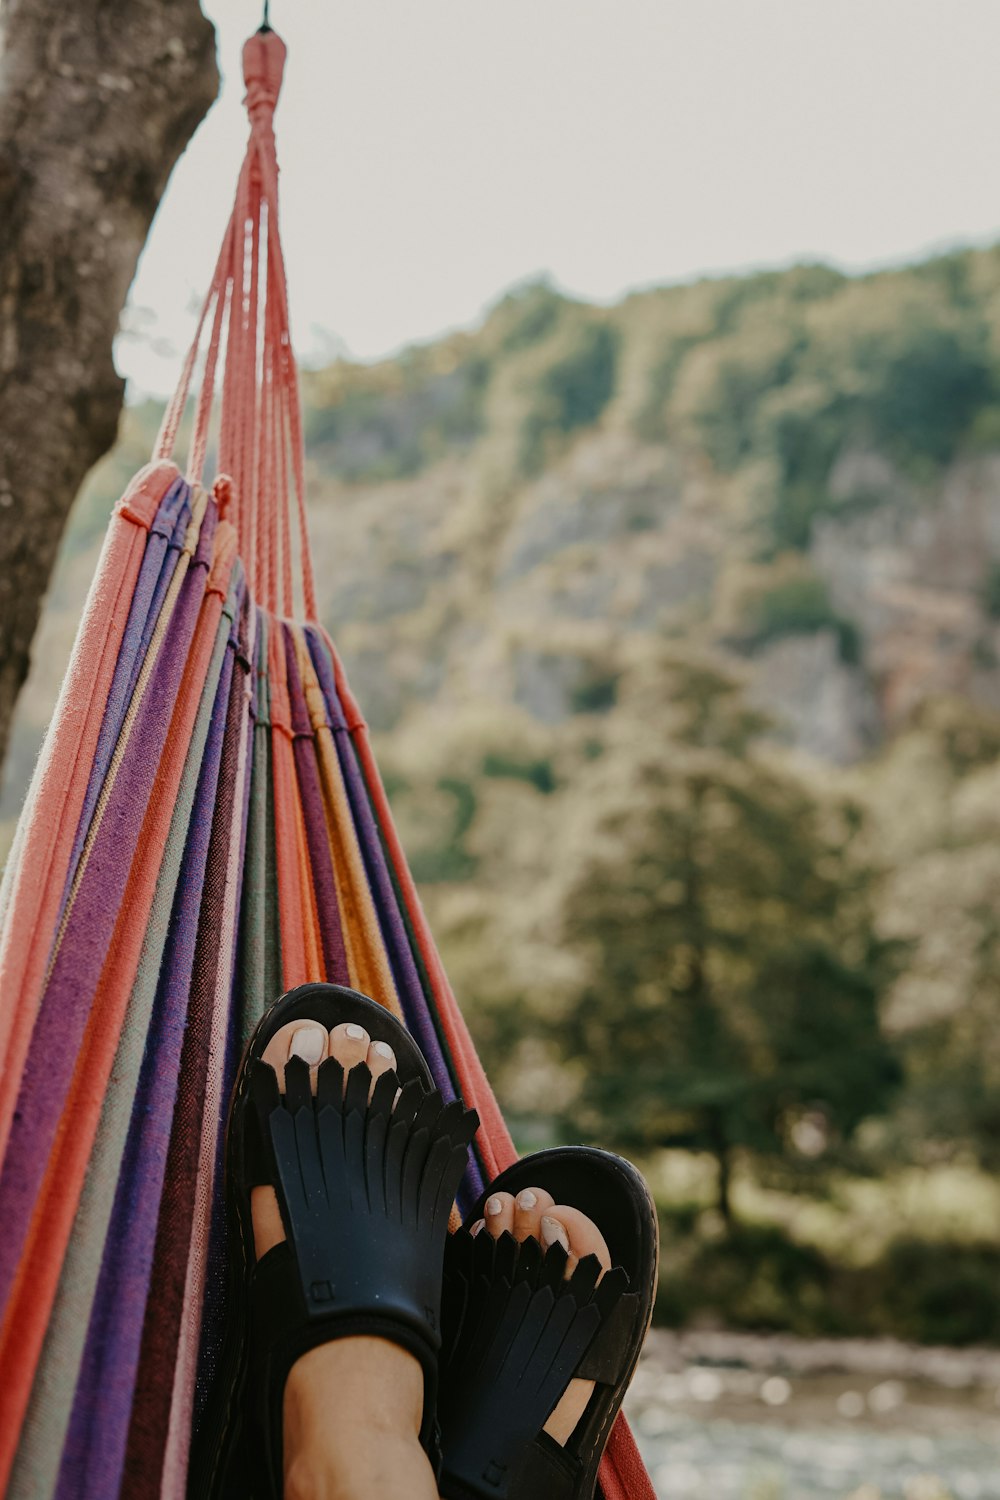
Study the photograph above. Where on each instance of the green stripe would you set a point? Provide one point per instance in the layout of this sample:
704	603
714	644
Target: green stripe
260	939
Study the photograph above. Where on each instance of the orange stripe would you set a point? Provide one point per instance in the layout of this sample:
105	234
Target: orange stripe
368	960
311	936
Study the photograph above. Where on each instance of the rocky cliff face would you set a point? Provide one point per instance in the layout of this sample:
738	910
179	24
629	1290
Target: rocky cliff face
704	473
912	572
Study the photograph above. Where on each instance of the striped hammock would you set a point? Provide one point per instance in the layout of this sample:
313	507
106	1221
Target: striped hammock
205	829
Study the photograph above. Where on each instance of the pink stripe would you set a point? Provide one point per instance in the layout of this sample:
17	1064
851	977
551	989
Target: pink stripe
60	782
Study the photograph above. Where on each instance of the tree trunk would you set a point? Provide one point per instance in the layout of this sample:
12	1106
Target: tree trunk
722	1151
98	98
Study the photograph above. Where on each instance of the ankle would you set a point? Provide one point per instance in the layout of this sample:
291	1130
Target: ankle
352	1416
391	1466
305	1479
353	1386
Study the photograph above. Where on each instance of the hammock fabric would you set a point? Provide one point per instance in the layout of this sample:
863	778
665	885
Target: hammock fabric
205	829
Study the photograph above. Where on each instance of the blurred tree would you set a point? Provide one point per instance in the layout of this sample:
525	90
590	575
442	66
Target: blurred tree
937	800
97	102
732	974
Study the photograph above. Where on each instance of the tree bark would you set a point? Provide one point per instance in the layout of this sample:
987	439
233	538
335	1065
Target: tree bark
722	1151
98	98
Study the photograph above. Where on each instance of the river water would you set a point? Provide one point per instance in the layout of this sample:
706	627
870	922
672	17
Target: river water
734	1418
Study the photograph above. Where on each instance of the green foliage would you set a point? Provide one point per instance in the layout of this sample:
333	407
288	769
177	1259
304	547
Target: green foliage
573	391
538	772
991	591
936	795
757	1277
652	423
375	427
730	971
596	693
728	420
925	390
732	300
805	439
579	386
801	605
527	315
967	737
799	367
942	1293
395	784
449	860
754	1277
796	286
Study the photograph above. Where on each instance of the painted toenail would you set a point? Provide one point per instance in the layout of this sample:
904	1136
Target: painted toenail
382	1048
309	1043
494	1206
477	1226
354	1031
553	1233
526	1199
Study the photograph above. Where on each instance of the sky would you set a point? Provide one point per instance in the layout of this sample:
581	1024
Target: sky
434	153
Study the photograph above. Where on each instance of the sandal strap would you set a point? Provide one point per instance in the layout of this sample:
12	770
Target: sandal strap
607	1353
365	1190
519	1335
542	1468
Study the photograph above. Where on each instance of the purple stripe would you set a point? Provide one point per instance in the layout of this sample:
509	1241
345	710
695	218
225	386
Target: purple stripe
148	1425
314	816
217	1267
171	559
411	992
73	983
96	1438
166	537
415	1000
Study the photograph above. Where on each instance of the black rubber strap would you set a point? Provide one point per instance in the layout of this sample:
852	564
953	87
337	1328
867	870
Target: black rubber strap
603	1360
522	1331
365	1191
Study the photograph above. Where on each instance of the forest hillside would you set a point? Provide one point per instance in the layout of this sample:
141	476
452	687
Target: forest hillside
678	626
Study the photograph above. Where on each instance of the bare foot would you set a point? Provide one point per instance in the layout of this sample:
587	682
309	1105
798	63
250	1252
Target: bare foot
349	1044
535	1214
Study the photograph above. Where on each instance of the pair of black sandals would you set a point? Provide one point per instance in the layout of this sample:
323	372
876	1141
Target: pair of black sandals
366	1188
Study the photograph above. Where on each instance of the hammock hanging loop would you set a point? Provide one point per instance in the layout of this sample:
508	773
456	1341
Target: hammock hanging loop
263	68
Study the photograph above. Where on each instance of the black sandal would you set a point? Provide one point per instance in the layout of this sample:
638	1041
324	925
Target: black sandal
365	1191
516	1332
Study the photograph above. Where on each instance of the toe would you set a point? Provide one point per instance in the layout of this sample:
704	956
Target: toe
529	1206
349	1044
310	1041
500	1214
305	1039
381	1059
561	1224
577	1234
